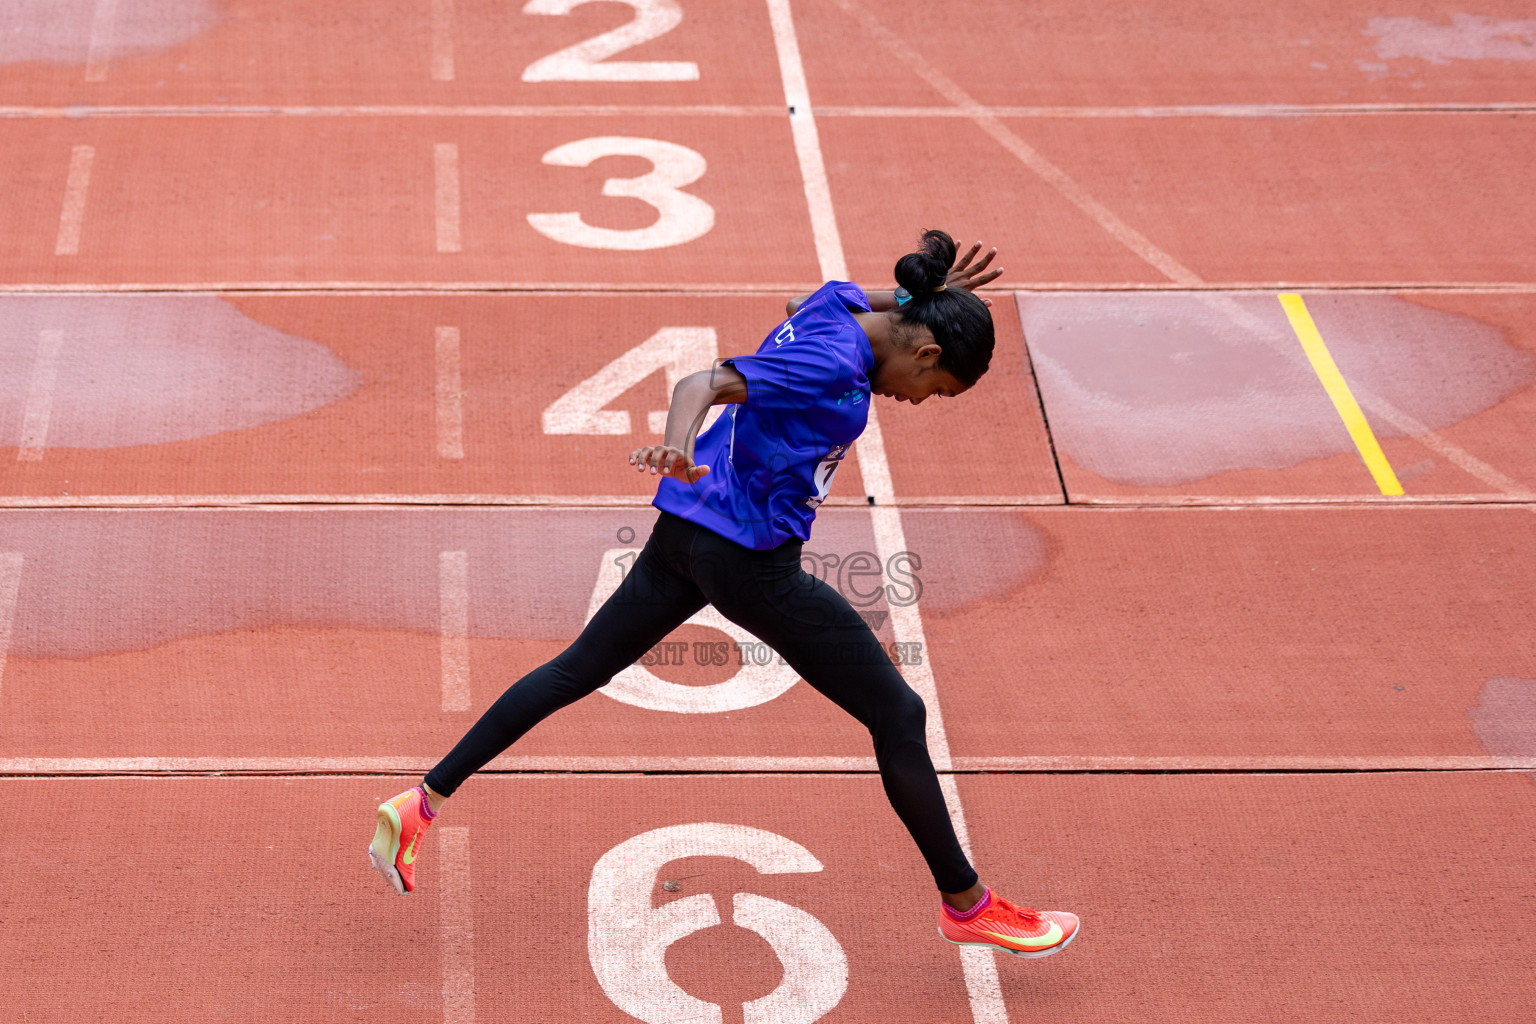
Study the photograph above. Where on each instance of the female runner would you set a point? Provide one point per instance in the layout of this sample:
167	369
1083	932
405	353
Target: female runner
736	502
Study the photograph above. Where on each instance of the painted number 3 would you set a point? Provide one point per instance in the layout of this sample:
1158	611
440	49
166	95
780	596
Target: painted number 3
627	937
681	217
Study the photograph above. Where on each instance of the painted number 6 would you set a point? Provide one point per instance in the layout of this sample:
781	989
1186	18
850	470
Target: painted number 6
682	217
627	937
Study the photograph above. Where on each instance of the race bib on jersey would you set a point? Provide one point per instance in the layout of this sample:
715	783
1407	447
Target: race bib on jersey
826	469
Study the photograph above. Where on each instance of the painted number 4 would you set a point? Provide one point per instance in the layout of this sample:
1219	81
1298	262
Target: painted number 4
677	350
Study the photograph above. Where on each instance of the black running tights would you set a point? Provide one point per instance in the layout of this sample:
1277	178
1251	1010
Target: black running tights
809	623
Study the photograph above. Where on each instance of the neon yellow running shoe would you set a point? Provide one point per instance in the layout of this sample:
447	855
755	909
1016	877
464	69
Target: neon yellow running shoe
995	922
397	840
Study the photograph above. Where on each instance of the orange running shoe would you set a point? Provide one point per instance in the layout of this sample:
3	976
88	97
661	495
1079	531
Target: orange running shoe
397	840
1011	928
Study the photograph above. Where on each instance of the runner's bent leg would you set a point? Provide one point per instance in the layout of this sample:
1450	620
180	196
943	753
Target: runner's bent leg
824	639
653	600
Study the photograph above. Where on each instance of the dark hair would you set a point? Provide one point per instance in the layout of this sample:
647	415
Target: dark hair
959	321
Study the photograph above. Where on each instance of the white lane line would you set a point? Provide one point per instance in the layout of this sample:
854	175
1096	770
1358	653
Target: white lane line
453	601
450	395
99	53
1237	111
445	168
728	288
1144	247
456	915
802	126
906	620
1216	110
39	410
298	502
1245	763
10	587
76	187
412	110
978	967
595	288
442	40
889	536
397	764
408	765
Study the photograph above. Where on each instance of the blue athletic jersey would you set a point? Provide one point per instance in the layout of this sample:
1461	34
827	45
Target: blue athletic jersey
771	458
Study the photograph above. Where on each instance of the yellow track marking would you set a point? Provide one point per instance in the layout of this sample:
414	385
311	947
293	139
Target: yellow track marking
1343	400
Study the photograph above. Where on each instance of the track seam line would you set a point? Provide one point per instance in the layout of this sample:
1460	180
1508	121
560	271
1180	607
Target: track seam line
1045	417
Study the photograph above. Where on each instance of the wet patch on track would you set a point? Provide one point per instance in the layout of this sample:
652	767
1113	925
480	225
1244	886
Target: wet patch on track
135	370
73	31
1504	717
1157	390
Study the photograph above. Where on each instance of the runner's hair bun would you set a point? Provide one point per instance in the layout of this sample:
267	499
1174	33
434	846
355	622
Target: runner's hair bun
924	271
961	323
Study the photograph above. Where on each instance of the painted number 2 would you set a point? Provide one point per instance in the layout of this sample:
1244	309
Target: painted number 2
587	60
627	937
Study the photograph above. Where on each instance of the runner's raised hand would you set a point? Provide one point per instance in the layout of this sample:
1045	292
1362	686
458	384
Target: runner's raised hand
667	461
964	275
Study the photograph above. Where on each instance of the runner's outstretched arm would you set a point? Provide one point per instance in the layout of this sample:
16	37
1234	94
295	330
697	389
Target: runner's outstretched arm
691	399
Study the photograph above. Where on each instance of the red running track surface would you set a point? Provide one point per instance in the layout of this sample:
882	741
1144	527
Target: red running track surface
1238	202
235	54
1174	637
254	896
316	200
1138	680
1099	54
276	200
339	396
